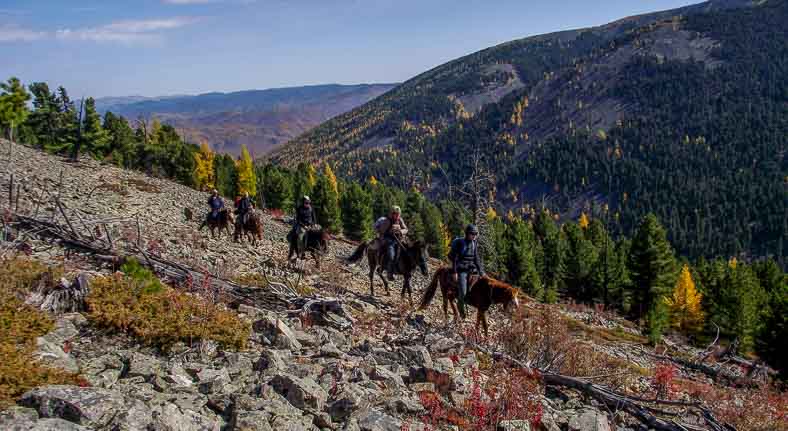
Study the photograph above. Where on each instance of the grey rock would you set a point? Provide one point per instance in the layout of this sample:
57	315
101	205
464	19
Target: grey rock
346	402
53	355
272	360
443	381
251	421
48	424
140	365
404	404
178	377
514	425
278	332
375	420
589	420
331	351
18	413
212	381
380	373
170	417
302	393
91	407
417	355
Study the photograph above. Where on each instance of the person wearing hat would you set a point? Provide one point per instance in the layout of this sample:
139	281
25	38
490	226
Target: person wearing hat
394	231
216	203
243	208
304	219
465	260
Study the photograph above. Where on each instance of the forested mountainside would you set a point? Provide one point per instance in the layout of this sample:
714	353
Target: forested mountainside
682	113
259	119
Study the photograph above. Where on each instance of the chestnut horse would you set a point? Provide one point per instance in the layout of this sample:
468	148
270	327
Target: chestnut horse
483	293
252	229
223	221
316	244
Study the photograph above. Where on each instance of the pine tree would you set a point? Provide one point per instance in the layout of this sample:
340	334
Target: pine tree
551	266
247	181
68	123
652	268
122	143
412	214
305	179
520	254
13	105
684	304
356	213
43	121
204	175
225	175
579	260
326	200
95	140
277	189
774	331
435	232
740	305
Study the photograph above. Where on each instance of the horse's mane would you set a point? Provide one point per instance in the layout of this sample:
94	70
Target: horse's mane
500	287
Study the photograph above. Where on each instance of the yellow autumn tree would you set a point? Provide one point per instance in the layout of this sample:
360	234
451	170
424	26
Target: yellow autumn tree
685	303
491	214
583	222
373	181
247	180
203	167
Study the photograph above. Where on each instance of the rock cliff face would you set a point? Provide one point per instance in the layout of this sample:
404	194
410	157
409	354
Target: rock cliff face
335	359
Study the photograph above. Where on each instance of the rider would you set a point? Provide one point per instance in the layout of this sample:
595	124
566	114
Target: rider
465	260
304	219
216	203
243	208
394	231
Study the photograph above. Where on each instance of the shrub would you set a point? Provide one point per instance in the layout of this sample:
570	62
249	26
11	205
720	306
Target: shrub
159	315
20	325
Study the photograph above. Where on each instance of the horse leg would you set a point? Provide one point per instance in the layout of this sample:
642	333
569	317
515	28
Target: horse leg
317	259
484	322
406	287
372	280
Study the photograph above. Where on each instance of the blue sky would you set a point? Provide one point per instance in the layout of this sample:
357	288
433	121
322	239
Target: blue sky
158	47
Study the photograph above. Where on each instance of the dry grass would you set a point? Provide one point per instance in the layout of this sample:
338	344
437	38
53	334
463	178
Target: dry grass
20	325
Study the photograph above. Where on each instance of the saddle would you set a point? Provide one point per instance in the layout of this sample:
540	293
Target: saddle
472	280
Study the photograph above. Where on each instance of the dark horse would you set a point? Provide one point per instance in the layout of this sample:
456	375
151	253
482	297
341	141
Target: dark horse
412	256
483	294
252	229
222	222
316	244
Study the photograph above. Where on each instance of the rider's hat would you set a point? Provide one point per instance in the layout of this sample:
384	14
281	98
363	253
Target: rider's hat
471	229
396	210
306	199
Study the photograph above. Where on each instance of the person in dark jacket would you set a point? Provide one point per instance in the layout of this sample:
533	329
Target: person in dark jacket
216	203
304	219
394	232
243	208
465	260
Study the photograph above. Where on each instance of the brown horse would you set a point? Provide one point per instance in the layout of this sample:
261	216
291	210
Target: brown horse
223	221
252	229
412	255
483	293
316	244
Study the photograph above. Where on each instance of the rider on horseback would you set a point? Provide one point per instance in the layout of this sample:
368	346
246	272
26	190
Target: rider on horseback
216	203
304	219
243	208
393	232
465	260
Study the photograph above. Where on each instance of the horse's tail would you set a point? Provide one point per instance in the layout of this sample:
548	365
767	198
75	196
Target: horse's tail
429	293
359	253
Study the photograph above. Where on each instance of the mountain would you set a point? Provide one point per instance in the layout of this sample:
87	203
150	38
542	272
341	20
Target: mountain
259	119
682	113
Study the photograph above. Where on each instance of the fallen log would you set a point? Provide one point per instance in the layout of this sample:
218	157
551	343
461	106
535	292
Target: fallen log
720	374
614	400
170	271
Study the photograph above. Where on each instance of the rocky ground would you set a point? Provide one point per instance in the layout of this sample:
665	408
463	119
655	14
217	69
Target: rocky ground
337	359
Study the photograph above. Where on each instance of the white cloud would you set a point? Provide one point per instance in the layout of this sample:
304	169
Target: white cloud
131	31
12	33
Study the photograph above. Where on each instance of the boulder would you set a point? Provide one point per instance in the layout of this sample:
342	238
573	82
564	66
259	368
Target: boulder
375	420
170	417
271	360
303	393
140	365
47	424
278	332
346	402
251	421
588	420
90	407
514	426
417	355
212	381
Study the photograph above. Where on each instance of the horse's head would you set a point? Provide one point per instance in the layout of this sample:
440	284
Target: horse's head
419	251
504	293
322	238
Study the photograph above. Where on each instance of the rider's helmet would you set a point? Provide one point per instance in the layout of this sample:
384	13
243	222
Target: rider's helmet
396	210
307	200
471	229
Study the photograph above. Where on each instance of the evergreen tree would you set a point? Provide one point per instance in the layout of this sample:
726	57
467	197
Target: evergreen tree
774	332
204	175
522	247
68	124
326	200
13	105
551	267
412	214
652	268
383	198
356	213
684	304
580	260
740	305
435	232
456	217
247	181
44	120
607	275
277	189
122	142
305	179
226	176
94	139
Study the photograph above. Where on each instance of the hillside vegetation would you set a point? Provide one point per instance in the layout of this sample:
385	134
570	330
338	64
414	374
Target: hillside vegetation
681	113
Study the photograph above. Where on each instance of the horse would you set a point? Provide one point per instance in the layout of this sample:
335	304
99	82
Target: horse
483	293
252	229
316	244
412	255
222	222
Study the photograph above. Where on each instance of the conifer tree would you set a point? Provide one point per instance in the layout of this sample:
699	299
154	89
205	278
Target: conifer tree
277	189
204	175
356	213
326	200
43	121
551	266
304	180
580	259
684	304
13	105
435	232
247	181
412	214
122	143
95	140
521	251
68	123
225	175
652	268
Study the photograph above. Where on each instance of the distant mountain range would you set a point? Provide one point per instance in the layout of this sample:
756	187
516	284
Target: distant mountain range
259	119
683	113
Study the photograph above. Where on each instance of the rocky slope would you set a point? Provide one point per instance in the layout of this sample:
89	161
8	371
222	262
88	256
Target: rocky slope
336	359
